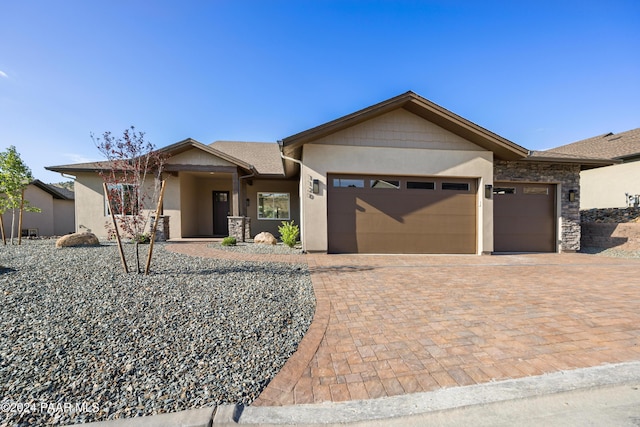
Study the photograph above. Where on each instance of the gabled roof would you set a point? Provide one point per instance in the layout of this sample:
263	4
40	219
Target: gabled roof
173	149
56	192
610	145
189	143
501	147
264	156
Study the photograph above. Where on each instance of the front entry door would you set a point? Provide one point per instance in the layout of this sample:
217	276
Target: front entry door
220	213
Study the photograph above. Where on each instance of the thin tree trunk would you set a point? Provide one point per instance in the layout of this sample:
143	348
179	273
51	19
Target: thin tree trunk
4	237
13	223
20	218
138	257
115	226
153	229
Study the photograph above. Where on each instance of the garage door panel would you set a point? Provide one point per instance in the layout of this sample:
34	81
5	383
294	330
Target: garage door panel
402	220
524	217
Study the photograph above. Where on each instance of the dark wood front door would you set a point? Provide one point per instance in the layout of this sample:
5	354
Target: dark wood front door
220	213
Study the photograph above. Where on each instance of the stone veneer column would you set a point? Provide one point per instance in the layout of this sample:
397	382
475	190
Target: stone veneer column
567	175
247	228
162	232
236	227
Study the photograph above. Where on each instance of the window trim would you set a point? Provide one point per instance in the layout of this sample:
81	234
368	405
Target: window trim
121	186
258	214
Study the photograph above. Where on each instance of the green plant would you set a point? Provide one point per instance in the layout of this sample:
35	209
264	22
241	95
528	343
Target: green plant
229	241
289	233
142	238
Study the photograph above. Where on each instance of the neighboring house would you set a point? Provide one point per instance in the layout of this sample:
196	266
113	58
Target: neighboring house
401	176
57	215
609	187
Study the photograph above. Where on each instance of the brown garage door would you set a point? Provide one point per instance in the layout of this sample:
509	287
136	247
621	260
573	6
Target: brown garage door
524	217
392	214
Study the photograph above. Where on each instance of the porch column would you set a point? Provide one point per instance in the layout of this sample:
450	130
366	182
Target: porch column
235	196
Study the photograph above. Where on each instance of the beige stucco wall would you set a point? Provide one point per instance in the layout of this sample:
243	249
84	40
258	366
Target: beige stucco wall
90	204
197	201
321	159
171	205
270	185
195	156
90	212
64	220
606	187
43	221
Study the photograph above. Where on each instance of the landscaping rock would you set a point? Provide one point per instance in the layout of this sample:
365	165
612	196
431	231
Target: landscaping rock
77	239
265	238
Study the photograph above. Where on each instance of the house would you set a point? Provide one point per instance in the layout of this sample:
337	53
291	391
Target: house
56	216
401	176
615	186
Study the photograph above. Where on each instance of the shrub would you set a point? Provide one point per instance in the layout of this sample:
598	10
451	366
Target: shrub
289	233
142	238
229	241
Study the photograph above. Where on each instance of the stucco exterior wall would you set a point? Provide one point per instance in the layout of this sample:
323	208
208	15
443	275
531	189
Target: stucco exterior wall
64	220
320	159
197	157
566	177
43	221
404	129
90	212
271	185
606	187
171	205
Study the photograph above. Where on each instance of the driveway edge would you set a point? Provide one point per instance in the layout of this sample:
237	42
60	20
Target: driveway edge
444	399
280	391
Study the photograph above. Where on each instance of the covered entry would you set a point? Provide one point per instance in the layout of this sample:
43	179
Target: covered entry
524	217
396	214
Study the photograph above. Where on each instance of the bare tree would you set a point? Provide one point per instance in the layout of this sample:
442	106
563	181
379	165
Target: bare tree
133	180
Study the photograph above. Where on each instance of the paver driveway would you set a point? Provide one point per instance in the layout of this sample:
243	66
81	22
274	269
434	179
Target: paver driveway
387	325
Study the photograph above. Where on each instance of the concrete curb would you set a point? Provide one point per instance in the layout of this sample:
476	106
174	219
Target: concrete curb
439	400
190	418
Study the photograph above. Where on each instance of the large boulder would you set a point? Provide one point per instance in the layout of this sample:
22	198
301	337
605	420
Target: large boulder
77	239
265	238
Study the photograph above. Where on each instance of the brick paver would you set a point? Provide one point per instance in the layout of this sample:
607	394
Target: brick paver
406	324
387	325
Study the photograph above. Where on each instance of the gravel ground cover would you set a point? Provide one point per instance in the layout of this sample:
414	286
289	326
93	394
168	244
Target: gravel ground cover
611	252
82	341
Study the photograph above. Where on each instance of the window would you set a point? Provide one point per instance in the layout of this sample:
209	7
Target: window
420	185
385	183
273	206
504	190
124	199
540	191
457	186
348	183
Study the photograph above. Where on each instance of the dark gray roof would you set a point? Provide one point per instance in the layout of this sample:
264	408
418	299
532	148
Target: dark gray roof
264	156
54	190
610	145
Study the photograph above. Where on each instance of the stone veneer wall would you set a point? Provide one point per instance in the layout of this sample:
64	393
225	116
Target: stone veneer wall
567	175
611	228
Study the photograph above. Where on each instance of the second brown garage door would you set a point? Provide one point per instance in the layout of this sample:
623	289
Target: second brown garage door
524	217
392	214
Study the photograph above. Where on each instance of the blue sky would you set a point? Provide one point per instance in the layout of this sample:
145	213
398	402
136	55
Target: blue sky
540	73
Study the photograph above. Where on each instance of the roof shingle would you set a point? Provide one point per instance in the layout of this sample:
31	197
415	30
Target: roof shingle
609	145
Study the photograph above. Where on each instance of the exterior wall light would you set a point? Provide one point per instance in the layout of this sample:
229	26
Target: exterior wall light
572	195
316	186
488	191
